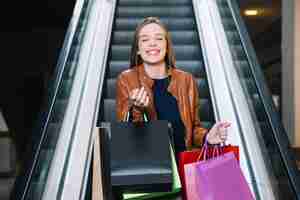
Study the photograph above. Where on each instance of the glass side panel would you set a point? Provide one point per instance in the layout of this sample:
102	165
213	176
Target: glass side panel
51	134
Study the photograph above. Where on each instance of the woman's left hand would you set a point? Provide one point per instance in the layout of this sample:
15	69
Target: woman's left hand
218	133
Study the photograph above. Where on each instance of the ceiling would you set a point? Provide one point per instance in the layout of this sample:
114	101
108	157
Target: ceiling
28	15
270	12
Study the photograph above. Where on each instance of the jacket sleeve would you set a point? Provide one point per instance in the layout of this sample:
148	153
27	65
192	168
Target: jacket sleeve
199	131
122	103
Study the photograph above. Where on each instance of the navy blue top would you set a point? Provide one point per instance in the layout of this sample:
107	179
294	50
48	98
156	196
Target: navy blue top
167	109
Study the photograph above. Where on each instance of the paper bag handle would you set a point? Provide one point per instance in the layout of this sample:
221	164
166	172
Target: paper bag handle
217	150
130	110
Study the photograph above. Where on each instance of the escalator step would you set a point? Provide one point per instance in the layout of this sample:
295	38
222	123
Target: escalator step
44	160
259	107
222	2
70	69
65	89
178	37
172	23
116	67
195	67
59	110
35	191
182	52
203	88
250	84
233	37
225	12
228	24
161	11
109	110
153	2
237	52
52	135
244	68
206	112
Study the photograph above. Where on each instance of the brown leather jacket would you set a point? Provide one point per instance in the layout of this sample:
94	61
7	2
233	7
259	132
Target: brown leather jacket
182	86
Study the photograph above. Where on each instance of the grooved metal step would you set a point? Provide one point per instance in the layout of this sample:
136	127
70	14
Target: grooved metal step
244	67
237	52
233	37
161	11
228	24
153	2
225	12
65	89
172	23
58	112
52	135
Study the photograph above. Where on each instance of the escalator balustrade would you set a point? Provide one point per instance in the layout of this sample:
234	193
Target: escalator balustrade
247	78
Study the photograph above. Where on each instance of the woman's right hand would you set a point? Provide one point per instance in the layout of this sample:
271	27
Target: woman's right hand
139	98
218	133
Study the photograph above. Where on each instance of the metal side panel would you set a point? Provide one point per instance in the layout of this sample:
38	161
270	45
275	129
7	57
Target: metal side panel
70	165
229	101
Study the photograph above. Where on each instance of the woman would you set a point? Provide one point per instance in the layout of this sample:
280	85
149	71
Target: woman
153	85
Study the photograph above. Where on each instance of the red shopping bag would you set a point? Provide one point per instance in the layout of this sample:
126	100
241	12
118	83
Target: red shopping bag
188	157
219	178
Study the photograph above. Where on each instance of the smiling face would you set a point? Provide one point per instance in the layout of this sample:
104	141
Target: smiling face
152	44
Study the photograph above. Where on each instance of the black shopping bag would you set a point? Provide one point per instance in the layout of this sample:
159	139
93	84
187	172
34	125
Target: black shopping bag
140	158
104	142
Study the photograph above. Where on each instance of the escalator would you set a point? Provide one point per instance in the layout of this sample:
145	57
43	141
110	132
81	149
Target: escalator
61	164
30	185
275	139
179	18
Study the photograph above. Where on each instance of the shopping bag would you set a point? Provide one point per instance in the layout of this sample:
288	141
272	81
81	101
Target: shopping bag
176	187
192	156
231	148
140	159
218	178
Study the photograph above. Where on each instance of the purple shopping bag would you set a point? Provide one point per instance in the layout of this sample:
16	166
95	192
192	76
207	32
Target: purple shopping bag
220	178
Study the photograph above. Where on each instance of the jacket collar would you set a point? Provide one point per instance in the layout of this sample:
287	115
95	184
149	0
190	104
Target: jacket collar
144	77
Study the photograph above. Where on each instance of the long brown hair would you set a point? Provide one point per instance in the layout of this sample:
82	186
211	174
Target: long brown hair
136	59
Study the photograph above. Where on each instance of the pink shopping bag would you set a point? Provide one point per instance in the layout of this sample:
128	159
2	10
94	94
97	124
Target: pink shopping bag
187	157
219	178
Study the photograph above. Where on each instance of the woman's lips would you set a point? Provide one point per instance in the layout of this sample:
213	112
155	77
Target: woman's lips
153	52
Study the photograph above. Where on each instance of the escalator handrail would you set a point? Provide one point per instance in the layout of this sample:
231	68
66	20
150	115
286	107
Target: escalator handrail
74	171
263	91
57	79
